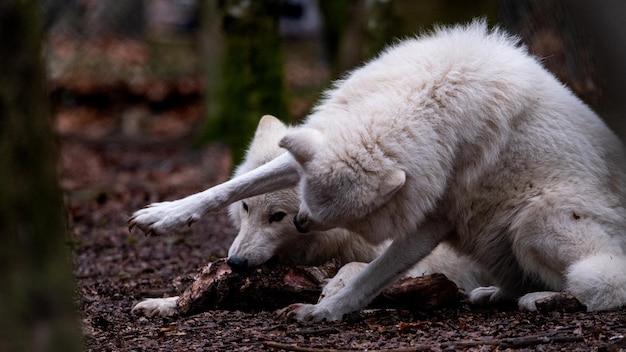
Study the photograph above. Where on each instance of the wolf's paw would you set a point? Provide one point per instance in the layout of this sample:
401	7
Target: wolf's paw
339	281
165	218
156	307
332	287
308	313
548	301
527	301
485	295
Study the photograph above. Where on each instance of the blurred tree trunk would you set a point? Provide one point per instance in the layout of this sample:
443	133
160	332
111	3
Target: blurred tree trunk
354	31
357	30
552	32
345	23
244	69
37	310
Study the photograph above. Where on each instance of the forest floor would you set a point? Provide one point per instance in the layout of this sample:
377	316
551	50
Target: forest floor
108	170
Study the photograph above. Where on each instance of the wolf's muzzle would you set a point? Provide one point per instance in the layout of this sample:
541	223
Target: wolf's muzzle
300	226
237	263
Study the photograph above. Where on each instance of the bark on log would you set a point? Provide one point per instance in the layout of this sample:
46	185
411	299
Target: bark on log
419	293
267	287
273	286
562	302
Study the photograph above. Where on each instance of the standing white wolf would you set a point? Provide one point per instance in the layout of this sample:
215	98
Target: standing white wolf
456	136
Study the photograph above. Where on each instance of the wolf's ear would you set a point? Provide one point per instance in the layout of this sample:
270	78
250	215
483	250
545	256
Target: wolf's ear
391	182
269	124
269	131
303	143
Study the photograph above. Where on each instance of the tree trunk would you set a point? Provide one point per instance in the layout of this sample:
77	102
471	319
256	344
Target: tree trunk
244	70
36	291
552	32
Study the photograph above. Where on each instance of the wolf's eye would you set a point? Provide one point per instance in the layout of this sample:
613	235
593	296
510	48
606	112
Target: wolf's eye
277	216
245	206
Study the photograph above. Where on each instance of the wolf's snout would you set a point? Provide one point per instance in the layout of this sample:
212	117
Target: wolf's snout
301	225
237	263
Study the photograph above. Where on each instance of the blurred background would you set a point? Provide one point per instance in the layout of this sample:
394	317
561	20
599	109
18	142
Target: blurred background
207	70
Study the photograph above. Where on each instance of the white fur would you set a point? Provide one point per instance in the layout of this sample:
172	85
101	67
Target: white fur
456	136
156	307
259	239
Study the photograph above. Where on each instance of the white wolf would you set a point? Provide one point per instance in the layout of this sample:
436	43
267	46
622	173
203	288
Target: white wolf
457	136
265	222
266	231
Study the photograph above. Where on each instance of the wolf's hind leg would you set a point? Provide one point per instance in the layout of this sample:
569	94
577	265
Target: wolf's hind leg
598	281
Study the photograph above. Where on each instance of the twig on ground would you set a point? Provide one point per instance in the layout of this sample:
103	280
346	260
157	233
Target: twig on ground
320	331
513	342
296	348
517	342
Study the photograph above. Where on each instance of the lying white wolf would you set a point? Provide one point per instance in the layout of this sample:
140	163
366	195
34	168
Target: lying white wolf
266	231
459	136
265	223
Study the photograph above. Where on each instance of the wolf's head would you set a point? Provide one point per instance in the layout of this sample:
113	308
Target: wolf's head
265	222
340	181
265	228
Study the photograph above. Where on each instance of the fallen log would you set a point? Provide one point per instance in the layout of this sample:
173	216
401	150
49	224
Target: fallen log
267	287
273	286
419	293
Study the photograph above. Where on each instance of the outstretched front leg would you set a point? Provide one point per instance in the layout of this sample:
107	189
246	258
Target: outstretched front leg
175	216
404	251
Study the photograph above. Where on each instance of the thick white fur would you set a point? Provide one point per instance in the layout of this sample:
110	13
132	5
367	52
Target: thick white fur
456	136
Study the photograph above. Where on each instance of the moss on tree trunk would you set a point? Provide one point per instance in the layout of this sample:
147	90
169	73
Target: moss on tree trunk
244	68
36	291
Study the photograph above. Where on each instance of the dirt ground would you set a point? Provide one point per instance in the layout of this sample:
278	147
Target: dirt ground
106	178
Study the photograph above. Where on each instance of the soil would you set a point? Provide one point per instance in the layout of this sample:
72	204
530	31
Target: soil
106	179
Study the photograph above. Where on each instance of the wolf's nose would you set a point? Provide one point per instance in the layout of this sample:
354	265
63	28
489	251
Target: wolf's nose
301	227
237	263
